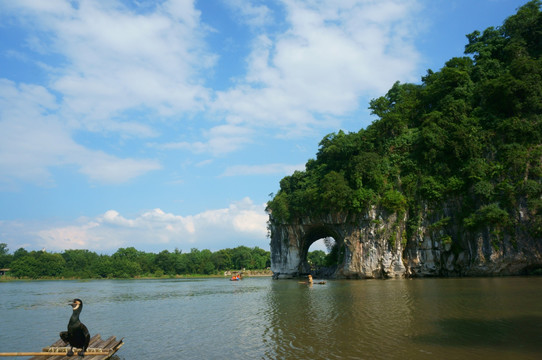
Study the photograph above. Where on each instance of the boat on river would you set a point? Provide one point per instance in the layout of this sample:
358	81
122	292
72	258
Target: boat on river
98	349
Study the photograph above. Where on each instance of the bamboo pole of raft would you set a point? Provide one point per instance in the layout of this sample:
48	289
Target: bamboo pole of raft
47	353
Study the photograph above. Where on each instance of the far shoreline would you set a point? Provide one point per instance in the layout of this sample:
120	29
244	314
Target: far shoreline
226	275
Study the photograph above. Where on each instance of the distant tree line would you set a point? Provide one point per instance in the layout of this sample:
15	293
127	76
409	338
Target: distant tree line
129	262
318	259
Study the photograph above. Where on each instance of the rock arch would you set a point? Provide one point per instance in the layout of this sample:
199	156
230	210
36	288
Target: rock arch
314	233
365	249
375	245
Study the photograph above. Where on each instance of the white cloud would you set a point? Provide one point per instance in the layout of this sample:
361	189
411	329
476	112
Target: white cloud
117	59
104	168
114	63
266	169
253	15
70	237
243	222
220	140
332	54
33	139
117	62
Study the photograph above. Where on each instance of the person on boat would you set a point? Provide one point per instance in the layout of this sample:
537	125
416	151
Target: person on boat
308	282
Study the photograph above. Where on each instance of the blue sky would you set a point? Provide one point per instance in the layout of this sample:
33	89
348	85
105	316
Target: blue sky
167	124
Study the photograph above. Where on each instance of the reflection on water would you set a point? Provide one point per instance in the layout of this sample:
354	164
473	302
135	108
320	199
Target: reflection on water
258	318
342	319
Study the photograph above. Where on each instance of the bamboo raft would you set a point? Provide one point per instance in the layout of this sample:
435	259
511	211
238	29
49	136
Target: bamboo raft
98	349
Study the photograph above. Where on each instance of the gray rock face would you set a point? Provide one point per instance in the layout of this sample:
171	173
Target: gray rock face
375	245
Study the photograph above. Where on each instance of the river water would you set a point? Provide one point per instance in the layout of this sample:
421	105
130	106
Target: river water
261	318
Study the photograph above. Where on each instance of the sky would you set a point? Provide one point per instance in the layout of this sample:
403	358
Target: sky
168	124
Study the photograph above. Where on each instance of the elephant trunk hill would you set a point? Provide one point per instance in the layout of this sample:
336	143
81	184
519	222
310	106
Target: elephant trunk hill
446	182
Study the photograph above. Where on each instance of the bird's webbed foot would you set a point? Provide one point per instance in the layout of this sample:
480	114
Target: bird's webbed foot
70	352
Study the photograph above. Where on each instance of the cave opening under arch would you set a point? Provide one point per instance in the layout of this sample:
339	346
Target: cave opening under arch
320	265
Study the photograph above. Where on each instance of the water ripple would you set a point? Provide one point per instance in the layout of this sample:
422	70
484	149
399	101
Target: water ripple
265	319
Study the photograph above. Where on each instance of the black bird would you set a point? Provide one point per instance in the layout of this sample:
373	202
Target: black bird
77	334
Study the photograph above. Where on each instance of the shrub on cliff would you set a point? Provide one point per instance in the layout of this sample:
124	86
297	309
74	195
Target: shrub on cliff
471	130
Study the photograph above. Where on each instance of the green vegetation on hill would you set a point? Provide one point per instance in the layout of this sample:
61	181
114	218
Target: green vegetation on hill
129	262
471	131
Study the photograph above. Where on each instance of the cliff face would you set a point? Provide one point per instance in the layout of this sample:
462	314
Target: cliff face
443	246
375	245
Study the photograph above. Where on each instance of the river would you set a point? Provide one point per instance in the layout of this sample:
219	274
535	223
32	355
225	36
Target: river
261	318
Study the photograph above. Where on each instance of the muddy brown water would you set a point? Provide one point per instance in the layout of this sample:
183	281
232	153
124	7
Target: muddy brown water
261	318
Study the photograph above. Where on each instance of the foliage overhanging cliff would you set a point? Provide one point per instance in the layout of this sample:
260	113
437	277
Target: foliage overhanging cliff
471	131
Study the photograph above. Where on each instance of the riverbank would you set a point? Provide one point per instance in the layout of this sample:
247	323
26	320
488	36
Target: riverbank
244	273
249	273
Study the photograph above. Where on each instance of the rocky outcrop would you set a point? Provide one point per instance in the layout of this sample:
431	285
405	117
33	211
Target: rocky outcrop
378	245
369	247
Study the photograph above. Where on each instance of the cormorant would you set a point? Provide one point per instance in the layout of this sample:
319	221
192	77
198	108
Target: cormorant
77	334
